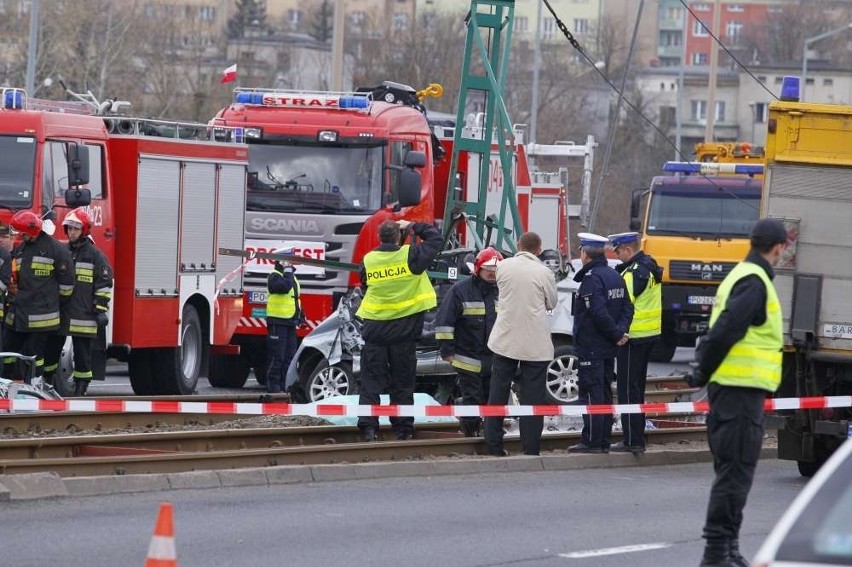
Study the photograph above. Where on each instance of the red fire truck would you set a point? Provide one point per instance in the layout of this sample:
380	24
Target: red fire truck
163	198
325	169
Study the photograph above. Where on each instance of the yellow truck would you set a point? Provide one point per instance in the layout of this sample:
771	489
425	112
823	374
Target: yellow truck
808	185
696	225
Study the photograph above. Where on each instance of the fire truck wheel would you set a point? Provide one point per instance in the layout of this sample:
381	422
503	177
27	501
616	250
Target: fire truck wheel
141	368
327	381
178	368
227	371
562	381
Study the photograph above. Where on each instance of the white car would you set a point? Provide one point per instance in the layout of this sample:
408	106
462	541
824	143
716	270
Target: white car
816	530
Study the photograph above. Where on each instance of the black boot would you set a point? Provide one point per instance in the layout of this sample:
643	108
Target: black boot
737	558
716	554
80	387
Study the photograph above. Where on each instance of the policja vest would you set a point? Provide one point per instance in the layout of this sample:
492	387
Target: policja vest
283	305
393	291
755	361
647	307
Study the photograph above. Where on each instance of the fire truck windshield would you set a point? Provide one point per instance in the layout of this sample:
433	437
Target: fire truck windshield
17	168
709	211
315	178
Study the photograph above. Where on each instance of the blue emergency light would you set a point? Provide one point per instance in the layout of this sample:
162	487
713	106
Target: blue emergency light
13	98
354	102
790	88
709	168
249	98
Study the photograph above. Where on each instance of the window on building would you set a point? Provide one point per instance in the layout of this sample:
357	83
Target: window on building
294	18
674	13
698	29
581	25
720	111
762	78
701	7
735	8
207	13
671	38
828	82
667	116
761	110
699	59
733	29
357	19
548	28
400	21
699	110
521	24
778	80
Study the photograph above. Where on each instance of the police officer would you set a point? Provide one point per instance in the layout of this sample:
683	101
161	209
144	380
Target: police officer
741	358
643	277
602	316
462	328
398	294
283	313
88	310
42	281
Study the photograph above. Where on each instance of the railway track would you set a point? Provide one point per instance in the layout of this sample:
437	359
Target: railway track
239	448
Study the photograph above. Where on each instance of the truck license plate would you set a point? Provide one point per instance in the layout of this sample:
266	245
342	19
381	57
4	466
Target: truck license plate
257	297
701	299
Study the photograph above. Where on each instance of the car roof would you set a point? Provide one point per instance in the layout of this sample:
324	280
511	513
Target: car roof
770	547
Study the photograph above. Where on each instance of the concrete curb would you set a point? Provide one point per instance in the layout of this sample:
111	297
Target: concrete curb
51	485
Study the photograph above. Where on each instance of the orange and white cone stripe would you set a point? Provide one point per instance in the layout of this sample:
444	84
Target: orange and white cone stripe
341	410
161	550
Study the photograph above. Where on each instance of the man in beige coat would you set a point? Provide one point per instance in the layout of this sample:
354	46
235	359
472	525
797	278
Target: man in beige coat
521	338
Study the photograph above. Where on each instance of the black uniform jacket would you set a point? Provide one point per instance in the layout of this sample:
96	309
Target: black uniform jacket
468	311
602	310
93	281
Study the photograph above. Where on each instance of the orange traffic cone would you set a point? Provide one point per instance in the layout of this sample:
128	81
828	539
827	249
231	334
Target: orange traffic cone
161	551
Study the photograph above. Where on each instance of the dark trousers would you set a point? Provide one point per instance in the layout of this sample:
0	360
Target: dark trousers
532	391
83	348
632	370
735	436
595	387
29	344
391	367
474	387
280	350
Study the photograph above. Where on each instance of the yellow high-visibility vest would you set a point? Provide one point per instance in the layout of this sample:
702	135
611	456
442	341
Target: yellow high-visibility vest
755	361
282	305
647	307
393	291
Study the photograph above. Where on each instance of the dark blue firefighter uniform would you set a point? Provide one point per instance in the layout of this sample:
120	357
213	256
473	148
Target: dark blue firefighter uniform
602	316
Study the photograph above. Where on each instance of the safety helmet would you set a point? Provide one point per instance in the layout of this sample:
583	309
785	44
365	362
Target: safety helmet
27	222
79	218
488	257
551	259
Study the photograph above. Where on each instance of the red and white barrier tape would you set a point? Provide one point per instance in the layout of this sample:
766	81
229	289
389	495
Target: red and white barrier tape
340	410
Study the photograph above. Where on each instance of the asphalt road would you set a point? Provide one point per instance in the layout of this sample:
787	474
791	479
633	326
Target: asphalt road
118	382
642	517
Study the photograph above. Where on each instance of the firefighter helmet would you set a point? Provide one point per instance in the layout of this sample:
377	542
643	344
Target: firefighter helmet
27	222
551	259
79	218
488	258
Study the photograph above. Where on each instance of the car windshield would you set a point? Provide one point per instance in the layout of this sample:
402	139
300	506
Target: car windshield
822	534
17	170
709	211
315	178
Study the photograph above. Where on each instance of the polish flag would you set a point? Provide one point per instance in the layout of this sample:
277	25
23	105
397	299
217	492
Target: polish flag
229	75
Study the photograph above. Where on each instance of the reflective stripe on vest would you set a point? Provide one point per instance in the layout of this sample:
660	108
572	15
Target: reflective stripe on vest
467	363
282	305
393	291
755	361
648	307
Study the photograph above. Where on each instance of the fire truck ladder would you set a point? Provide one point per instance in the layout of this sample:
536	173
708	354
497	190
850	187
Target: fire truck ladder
486	60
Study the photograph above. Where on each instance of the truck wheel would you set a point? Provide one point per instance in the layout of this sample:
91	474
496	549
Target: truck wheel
63	380
178	368
821	455
563	384
327	381
664	349
227	371
141	367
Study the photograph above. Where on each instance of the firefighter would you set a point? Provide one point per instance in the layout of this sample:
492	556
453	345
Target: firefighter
87	313
643	277
42	282
602	316
462	327
283	314
741	358
5	271
393	309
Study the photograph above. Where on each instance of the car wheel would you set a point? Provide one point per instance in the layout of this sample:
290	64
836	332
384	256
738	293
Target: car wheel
563	384
664	349
326	381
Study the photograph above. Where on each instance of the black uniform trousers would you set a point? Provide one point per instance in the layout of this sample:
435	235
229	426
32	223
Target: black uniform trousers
532	391
391	367
632	371
83	348
474	389
595	387
735	436
28	344
280	348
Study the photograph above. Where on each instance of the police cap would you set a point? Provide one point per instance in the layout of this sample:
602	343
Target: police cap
589	240
769	232
623	238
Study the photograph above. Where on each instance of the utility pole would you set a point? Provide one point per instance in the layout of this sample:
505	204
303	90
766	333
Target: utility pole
680	88
337	45
536	78
714	67
32	50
